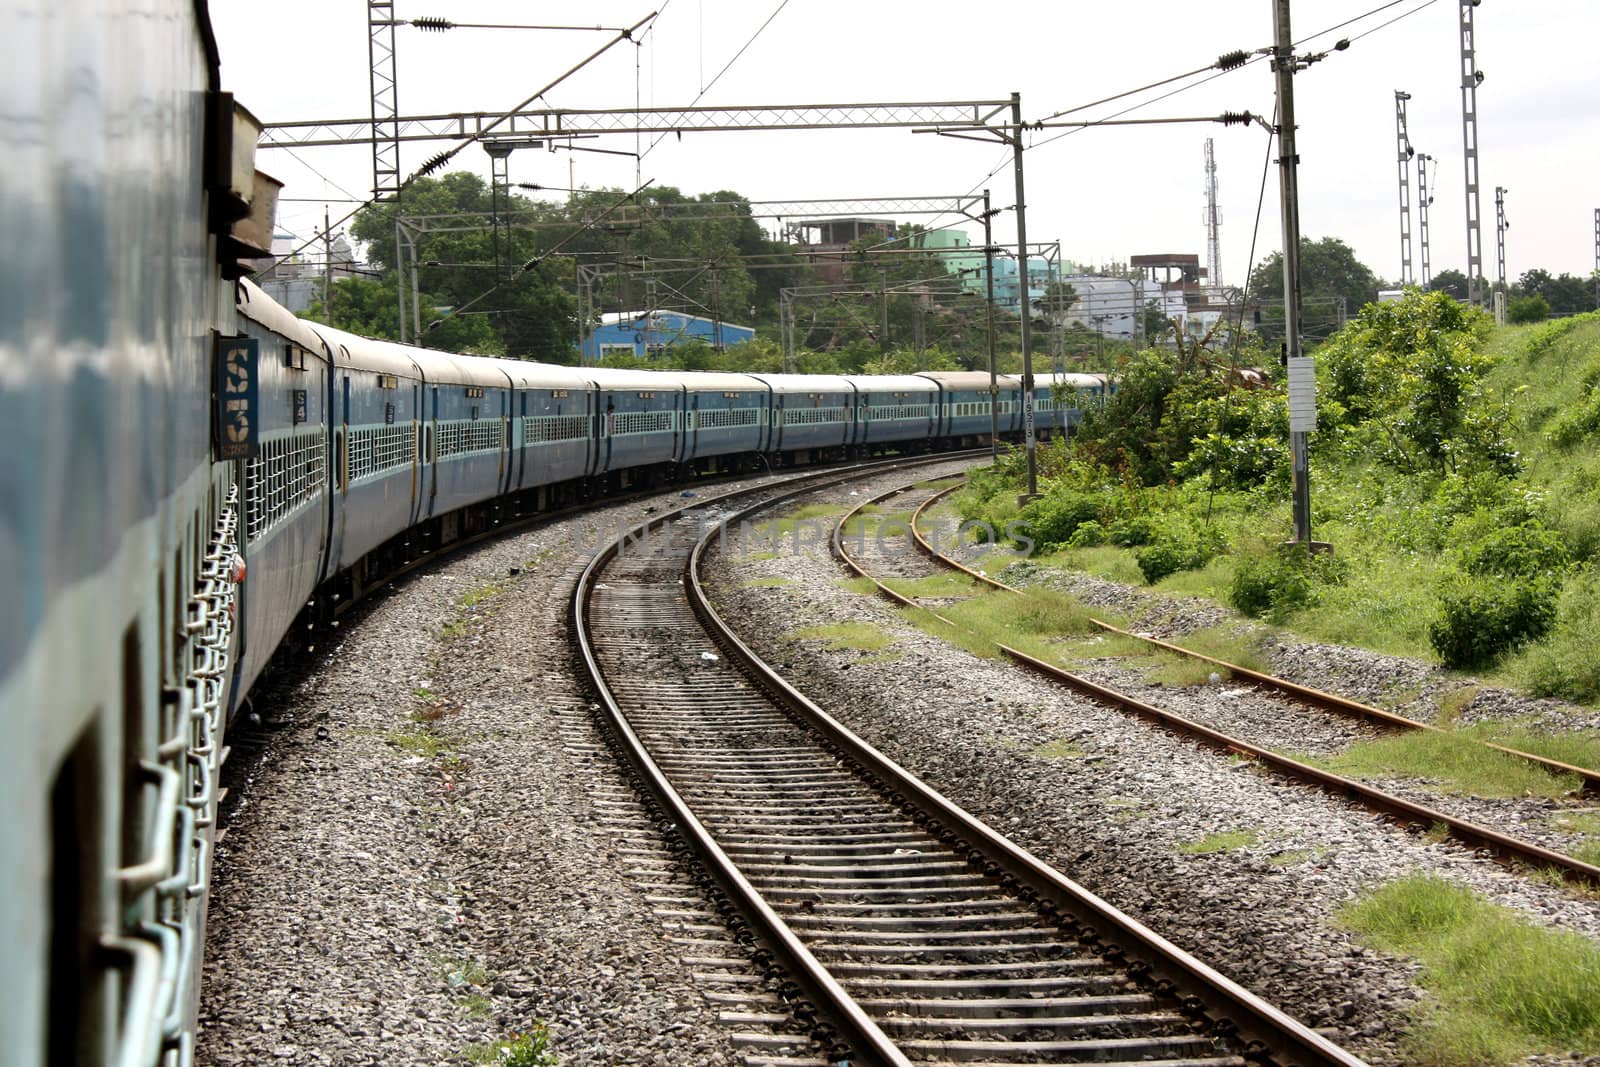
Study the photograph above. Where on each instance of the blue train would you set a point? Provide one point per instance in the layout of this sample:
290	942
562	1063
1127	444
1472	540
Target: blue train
187	467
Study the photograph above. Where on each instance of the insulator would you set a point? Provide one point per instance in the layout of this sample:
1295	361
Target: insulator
434	164
1235	118
433	25
1237	58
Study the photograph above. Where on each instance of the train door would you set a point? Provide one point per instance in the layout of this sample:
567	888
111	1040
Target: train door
430	430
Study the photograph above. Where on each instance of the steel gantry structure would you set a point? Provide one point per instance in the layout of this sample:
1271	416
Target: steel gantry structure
996	121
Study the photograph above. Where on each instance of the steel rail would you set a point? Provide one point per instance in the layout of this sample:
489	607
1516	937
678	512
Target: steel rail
1225	1007
1588	777
1407	812
868	1042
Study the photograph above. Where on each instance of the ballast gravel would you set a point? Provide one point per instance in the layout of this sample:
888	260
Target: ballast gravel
416	864
1131	811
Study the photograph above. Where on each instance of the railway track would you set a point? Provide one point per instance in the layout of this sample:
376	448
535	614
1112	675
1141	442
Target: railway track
1407	812
906	930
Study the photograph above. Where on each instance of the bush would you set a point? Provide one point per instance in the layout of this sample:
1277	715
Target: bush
1526	550
1481	620
1054	518
1088	535
1283	580
1133	531
1177	548
1271	585
1525	309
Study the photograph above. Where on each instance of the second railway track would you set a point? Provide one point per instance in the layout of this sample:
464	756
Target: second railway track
911	931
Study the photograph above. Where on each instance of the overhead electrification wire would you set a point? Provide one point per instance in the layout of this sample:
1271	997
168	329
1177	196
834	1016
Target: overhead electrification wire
444	157
439	25
742	49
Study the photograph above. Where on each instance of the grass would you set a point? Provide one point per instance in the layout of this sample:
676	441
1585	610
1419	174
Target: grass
941	483
1580	748
1453	703
1501	988
859	586
1034	622
1453	760
772	582
862	636
940	586
1057	750
805	516
878	524
1296	856
519	1050
467	605
1224	841
418	743
1104	561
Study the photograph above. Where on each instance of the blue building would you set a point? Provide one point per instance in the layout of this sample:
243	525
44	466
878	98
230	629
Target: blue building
649	335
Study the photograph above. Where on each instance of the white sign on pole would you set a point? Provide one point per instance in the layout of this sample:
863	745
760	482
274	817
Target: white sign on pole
1302	395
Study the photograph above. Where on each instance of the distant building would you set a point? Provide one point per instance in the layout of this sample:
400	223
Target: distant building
1110	306
648	335
823	243
295	280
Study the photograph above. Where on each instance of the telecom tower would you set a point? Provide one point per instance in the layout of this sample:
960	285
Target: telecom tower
1471	78
1405	152
1213	221
1424	202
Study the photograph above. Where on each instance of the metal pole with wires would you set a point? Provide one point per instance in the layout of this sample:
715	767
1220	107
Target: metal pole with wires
988	278
1302	375
1471	78
1403	157
1424	202
1022	297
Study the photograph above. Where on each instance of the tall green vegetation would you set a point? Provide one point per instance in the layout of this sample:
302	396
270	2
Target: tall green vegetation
1455	470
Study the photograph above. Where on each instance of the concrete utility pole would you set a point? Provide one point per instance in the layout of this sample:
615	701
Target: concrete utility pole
1424	202
1302	374
1405	152
1022	296
327	263
1500	228
1471	78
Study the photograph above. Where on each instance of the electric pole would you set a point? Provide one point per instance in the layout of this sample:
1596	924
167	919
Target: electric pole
1022	294
1471	78
1404	154
1302	373
1424	202
382	83
1597	256
1500	228
988	280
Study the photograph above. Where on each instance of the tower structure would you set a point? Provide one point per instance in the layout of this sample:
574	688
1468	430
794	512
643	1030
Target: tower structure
386	131
1471	78
1213	220
1424	202
1404	153
1500	228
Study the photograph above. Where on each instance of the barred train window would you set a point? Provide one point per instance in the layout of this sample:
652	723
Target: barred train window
795	416
539	429
374	449
708	420
626	422
459	437
286	473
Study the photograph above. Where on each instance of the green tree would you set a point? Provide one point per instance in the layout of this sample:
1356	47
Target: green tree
533	314
366	307
1329	270
1450	281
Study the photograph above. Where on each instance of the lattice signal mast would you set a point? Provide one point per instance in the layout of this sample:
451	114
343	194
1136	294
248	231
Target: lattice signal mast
1424	202
1213	220
1471	78
1500	228
1404	154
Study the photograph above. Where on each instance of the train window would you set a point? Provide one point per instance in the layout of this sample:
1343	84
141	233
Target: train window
75	982
474	392
294	357
388	381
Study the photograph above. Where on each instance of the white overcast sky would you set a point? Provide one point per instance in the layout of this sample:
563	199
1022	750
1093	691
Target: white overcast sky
1105	194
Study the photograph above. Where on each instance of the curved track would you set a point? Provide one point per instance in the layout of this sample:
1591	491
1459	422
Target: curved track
916	933
1407	812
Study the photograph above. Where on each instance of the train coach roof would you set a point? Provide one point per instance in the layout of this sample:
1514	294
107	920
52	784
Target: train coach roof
1068	381
619	378
257	306
717	382
525	374
366	353
891	383
447	368
970	379
785	384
